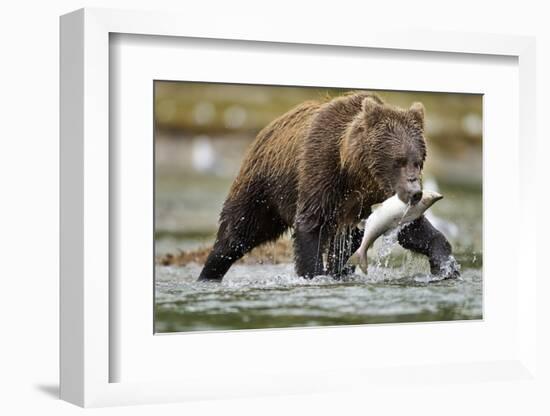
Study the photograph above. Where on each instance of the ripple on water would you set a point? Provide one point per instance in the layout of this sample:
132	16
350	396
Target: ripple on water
272	296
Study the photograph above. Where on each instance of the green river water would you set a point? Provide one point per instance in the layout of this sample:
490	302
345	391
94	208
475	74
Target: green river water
398	287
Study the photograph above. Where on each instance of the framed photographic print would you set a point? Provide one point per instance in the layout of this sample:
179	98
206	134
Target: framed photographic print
241	217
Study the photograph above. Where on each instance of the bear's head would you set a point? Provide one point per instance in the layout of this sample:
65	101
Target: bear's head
388	144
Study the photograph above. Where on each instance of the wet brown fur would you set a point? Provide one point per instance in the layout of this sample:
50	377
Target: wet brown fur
320	166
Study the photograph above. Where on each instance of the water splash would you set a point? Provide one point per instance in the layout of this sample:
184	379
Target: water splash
451	268
260	296
383	248
388	240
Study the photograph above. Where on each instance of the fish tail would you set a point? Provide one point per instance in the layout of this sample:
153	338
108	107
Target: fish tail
355	259
358	259
363	264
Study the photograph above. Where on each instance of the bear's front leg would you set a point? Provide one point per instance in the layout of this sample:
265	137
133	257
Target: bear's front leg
422	237
308	251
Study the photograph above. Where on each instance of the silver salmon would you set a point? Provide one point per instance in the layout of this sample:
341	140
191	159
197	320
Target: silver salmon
390	214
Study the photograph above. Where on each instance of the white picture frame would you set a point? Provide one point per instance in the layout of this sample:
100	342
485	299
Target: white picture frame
87	356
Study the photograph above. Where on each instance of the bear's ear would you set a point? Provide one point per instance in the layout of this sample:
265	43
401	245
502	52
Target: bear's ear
372	110
417	111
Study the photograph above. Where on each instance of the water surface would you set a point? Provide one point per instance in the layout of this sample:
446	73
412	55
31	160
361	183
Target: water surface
398	287
271	296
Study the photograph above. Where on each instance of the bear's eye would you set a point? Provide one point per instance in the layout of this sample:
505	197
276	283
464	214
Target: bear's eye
399	163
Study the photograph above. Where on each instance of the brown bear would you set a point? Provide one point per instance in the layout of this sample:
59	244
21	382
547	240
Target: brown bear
318	169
